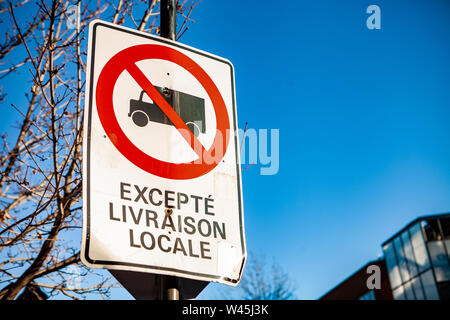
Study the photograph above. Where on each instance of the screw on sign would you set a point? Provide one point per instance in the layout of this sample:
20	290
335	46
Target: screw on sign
126	60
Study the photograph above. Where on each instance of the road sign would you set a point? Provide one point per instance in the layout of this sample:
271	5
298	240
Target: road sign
161	169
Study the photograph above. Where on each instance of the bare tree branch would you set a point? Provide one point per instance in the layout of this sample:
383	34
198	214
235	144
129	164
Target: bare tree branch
261	282
40	159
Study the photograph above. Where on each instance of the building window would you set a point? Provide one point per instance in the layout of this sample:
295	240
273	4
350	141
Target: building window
392	266
431	228
439	259
429	286
418	245
409	293
445	224
368	296
398	293
402	262
409	254
418	288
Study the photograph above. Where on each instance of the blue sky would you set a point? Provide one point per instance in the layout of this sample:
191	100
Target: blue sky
363	118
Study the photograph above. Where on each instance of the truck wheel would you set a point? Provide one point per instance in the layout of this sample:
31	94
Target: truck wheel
139	118
194	128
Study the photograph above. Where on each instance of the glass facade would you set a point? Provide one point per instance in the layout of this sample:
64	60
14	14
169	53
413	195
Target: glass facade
418	260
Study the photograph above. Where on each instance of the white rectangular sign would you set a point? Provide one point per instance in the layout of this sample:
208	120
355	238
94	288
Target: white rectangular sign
161	171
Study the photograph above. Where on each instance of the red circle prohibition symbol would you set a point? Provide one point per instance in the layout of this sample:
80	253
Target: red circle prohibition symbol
126	60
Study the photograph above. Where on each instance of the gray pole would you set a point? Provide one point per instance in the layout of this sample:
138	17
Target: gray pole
168	19
168	27
171	288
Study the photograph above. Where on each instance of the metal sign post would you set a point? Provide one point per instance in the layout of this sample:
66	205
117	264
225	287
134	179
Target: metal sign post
168	27
168	21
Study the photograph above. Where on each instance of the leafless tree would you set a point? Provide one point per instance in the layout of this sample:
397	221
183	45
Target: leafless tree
262	281
40	162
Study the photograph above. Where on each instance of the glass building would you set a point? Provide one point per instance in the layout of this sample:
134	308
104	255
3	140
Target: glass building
418	259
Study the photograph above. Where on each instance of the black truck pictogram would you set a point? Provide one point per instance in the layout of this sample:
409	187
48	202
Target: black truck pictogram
191	110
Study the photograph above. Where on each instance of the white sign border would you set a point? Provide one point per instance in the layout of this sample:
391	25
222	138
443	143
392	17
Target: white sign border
119	265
